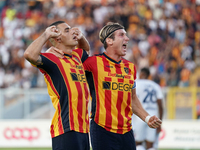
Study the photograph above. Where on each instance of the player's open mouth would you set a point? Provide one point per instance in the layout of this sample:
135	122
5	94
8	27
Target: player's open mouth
124	46
75	38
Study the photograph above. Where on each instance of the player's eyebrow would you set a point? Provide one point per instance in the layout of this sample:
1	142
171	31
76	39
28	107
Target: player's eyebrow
67	29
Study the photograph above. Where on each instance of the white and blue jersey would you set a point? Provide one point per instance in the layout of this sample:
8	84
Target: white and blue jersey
148	92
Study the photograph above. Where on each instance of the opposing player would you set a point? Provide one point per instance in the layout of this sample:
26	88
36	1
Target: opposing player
66	84
151	98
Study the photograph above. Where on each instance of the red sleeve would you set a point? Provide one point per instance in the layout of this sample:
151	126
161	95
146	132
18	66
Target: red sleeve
88	63
135	72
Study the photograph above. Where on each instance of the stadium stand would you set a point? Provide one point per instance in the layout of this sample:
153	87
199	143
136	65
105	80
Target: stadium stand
164	35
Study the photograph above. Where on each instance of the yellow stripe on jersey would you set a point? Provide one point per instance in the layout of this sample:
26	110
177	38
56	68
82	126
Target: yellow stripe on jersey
67	87
111	86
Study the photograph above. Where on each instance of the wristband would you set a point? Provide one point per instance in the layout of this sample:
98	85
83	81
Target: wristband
147	118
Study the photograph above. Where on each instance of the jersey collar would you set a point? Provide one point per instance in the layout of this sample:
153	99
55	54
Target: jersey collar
117	62
68	55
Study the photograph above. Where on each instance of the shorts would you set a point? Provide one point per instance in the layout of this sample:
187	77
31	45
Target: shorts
71	140
142	131
102	139
155	144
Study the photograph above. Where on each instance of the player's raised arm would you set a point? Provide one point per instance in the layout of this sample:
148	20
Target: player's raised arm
32	53
82	44
82	41
152	121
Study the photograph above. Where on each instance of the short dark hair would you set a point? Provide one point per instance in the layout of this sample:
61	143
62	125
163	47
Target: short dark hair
57	23
145	71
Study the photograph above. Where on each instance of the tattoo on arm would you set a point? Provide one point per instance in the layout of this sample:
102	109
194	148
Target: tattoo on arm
39	61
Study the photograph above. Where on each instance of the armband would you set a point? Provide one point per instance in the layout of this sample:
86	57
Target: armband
147	119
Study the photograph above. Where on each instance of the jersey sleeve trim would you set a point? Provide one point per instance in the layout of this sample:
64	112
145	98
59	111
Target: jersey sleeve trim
134	85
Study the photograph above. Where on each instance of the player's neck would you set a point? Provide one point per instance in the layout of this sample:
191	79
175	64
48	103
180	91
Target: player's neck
66	49
113	55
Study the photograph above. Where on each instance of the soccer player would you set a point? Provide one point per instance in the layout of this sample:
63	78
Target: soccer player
151	98
66	84
111	79
113	90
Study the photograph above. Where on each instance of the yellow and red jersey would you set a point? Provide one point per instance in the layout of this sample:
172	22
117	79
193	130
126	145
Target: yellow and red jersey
68	90
111	85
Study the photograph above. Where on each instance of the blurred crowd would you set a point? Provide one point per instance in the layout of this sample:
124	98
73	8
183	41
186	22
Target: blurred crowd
164	35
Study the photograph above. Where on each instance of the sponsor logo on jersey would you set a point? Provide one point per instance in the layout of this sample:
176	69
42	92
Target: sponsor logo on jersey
119	75
78	77
116	86
76	66
109	66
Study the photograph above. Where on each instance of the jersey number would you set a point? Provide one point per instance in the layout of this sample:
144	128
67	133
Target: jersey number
150	96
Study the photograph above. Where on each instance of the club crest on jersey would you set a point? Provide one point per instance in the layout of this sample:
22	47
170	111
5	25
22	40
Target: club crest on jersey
126	70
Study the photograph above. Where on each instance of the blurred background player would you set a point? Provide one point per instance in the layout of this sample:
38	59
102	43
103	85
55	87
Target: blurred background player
151	97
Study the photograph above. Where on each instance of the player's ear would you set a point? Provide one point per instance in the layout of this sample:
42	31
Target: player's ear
109	41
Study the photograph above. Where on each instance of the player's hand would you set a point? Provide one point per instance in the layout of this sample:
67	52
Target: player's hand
158	129
78	34
52	31
57	52
154	122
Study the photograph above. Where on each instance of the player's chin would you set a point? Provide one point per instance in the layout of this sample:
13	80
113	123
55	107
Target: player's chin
74	43
123	53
